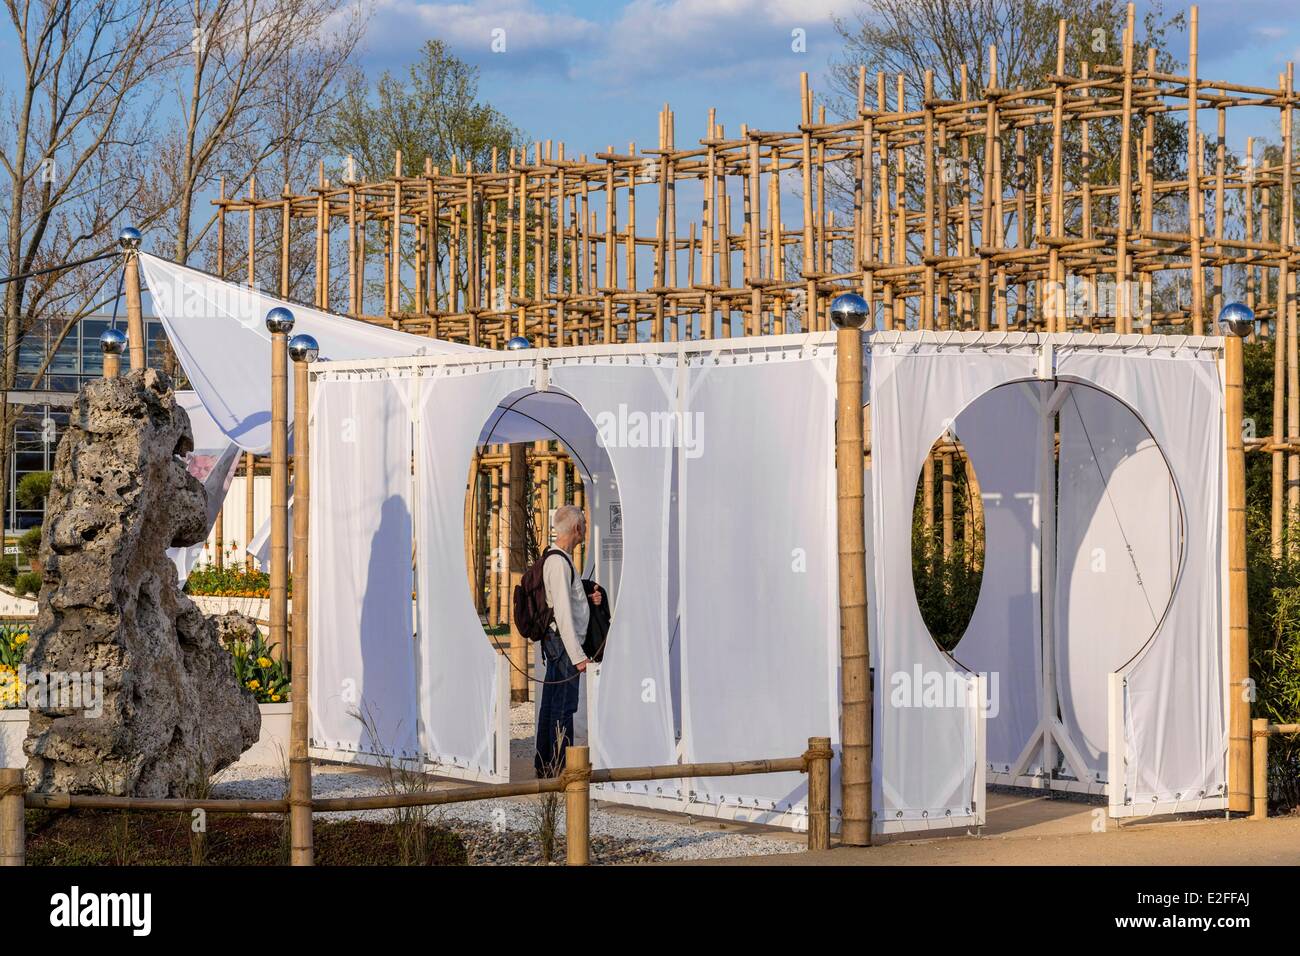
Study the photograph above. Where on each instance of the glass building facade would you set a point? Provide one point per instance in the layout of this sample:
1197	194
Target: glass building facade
40	425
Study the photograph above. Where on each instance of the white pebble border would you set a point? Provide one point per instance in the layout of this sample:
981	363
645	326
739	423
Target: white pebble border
664	838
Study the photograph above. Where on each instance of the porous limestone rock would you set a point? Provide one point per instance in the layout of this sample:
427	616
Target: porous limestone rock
170	710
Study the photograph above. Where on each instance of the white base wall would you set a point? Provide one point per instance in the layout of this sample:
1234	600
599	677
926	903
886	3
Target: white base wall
273	742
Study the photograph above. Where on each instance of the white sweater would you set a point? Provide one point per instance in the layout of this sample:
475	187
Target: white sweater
567	598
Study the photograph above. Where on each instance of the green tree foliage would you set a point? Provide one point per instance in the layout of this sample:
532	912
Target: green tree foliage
33	489
432	112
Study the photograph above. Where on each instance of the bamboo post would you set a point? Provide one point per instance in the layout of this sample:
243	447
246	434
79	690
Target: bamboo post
303	350
1259	764
1239	323
112	343
129	240
849	313
817	761
12	824
1194	221
279	322
249	530
577	805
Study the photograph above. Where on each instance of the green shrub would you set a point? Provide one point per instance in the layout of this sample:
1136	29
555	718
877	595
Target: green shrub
32	490
8	569
29	582
30	542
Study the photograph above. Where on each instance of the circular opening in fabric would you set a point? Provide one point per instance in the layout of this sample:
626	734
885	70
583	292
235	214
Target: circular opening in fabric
1116	527
513	490
947	541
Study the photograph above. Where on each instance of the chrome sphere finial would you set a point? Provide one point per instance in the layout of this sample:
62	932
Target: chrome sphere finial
849	311
112	342
304	348
279	319
517	343
1238	318
128	237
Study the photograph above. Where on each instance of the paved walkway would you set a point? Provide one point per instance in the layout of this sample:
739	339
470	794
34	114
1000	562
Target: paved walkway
1038	831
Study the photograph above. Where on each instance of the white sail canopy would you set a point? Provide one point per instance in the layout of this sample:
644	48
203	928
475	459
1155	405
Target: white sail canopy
218	331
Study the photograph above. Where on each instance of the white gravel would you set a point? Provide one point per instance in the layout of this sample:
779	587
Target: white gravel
637	834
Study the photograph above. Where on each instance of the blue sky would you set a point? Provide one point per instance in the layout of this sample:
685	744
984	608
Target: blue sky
594	74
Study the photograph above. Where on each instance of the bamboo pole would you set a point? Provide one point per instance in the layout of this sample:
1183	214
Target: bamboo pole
135	338
279	322
12	824
855	679
577	805
1259	763
517	563
818	763
249	530
303	350
1239	778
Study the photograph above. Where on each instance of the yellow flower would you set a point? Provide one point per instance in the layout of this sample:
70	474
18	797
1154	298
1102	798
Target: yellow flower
264	662
275	698
254	684
22	638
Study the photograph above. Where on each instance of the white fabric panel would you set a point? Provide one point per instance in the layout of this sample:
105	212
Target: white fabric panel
1118	536
458	665
759	604
1003	640
233	503
1174	722
632	724
926	711
218	330
212	461
362	648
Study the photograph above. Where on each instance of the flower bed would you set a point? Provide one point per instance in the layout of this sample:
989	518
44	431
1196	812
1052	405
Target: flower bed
230	581
13	641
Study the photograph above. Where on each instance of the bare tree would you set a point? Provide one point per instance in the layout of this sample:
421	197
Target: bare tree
254	83
70	155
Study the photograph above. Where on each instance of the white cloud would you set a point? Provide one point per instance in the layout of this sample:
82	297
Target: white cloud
715	39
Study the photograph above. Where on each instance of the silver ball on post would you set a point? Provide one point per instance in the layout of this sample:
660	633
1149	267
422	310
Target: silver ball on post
1238	319
304	348
518	342
849	311
279	319
128	237
112	342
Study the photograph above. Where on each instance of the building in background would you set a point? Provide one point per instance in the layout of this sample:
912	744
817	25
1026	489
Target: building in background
43	409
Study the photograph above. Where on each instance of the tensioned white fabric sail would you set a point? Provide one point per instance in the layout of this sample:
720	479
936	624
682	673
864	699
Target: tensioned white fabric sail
218	330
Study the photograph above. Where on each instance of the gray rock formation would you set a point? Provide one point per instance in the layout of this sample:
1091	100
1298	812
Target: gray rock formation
234	627
168	709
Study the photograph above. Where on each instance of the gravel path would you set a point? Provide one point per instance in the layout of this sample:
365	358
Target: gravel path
506	831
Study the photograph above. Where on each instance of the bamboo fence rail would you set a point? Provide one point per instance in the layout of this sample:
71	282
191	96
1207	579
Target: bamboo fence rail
575	783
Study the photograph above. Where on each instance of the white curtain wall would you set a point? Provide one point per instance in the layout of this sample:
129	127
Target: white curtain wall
759	635
363	663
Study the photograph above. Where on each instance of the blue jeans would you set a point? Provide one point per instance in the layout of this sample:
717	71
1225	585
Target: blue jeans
559	704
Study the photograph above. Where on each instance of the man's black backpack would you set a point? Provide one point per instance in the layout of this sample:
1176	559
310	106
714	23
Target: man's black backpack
533	616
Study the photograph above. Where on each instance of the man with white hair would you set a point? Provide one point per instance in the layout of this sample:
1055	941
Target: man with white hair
562	646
